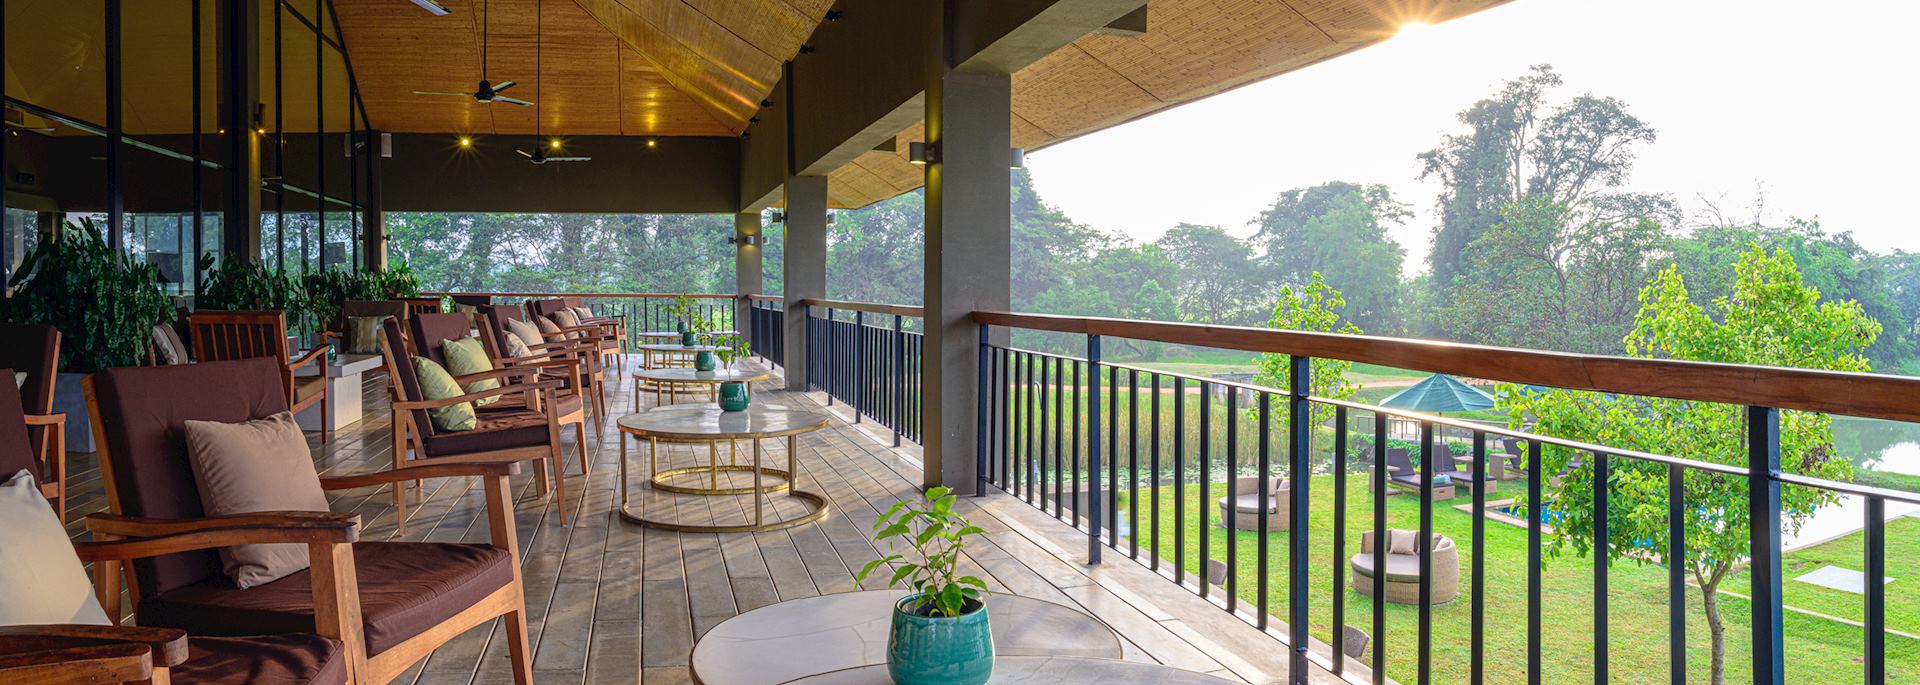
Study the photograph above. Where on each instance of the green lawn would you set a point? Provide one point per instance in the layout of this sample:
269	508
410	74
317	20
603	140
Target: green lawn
1819	650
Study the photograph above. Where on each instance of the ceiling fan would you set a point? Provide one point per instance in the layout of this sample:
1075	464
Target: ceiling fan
539	154
487	92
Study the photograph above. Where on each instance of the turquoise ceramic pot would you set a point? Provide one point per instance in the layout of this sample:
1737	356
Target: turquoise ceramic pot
704	361
686	338
734	397
924	650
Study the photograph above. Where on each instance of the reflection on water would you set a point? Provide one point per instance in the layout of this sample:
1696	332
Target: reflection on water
1876	445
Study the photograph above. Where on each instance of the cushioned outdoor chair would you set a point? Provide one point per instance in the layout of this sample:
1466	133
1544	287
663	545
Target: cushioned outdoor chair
1459	468
422	305
605	333
34	349
618	321
227	336
1402	568
574	363
1513	455
431	331
1241	510
395	602
339	332
525	428
1402	475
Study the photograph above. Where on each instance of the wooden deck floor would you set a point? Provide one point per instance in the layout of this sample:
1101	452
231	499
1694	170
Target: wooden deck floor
611	602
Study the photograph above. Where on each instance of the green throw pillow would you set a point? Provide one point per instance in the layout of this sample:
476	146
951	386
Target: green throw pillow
465	356
437	384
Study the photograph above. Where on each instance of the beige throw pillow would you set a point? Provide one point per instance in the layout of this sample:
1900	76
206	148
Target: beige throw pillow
1403	542
517	348
566	318
42	577
363	334
527	332
548	329
254	466
167	348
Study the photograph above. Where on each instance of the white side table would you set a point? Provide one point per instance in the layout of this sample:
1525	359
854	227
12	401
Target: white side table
345	377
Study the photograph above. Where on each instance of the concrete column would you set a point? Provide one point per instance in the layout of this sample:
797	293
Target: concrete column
746	269
240	93
806	266
968	257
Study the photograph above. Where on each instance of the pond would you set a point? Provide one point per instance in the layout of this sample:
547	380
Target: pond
1891	447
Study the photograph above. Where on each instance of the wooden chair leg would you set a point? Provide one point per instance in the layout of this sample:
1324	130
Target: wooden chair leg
518	650
399	460
559	477
581	430
326	421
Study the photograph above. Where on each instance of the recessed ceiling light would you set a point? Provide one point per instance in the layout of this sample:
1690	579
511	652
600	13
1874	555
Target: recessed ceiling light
466	142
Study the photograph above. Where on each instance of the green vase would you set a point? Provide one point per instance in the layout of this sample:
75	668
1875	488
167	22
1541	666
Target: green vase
734	396
686	338
704	361
928	650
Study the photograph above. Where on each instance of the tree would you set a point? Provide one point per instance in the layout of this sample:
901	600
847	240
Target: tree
1219	280
1772	317
1338	230
1517	146
1316	308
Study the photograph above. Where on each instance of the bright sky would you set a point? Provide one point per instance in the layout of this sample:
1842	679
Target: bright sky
1812	105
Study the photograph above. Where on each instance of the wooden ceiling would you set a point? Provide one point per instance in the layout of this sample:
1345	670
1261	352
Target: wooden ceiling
605	67
1191	49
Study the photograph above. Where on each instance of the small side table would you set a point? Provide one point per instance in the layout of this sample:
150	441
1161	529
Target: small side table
666	383
1053	670
344	383
696	424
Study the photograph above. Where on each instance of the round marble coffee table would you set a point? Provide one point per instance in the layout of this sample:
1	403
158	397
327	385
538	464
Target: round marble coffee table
666	383
1052	670
700	423
662	355
799	638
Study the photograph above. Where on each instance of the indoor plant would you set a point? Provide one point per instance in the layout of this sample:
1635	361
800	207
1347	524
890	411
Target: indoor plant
940	634
104	302
733	394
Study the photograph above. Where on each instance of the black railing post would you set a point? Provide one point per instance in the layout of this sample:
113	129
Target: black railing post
1094	499
858	356
900	381
1876	548
980	411
1299	470
1676	574
1763	510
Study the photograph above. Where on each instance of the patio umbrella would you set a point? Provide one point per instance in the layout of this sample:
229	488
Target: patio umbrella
1440	393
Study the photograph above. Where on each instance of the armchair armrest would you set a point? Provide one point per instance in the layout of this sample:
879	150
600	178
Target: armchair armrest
187	535
496	373
124	662
46	419
319	352
517	388
480	466
168	645
141	527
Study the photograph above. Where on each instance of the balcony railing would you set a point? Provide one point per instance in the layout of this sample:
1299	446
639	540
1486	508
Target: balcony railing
868	356
644	311
1107	476
767	332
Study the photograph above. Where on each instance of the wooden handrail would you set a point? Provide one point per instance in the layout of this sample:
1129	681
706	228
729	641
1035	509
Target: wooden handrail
766	298
1834	392
657	296
888	309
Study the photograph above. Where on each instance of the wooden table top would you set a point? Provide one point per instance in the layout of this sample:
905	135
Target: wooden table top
1038	670
796	639
708	422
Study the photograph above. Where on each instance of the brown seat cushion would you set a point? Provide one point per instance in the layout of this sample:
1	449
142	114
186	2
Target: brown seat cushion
567	401
405	588
292	659
306	387
494	429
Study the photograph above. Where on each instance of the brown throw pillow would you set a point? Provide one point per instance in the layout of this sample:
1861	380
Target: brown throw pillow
527	332
363	334
258	465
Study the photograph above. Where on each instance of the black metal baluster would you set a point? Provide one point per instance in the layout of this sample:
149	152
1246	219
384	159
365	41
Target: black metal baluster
1075	419
1232	464
1006	419
1763	547
1339	539
1477	658
1876	628
1264	471
1427	470
1093	449
900	375
1153	473
1300	471
1040	467
1379	487
1113	457
1602	544
1536	474
1206	485
1060	408
980	436
1133	463
1026	464
1180	481
1676	575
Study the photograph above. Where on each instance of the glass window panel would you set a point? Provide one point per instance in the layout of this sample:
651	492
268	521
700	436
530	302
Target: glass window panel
19	236
156	78
55	168
57	56
158	224
338	252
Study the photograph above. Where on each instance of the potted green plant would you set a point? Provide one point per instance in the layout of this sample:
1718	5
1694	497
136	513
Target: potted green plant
940	634
733	394
104	302
704	360
684	313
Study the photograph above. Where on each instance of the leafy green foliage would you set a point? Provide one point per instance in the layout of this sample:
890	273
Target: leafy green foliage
1773	318
1316	307
104	302
732	347
313	297
937	534
1338	230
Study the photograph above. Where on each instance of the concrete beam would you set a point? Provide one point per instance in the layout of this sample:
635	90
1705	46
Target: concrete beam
747	278
805	262
628	174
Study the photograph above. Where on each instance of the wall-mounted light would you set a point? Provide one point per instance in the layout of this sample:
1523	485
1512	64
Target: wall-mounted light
777	217
806	49
1019	158
923	153
743	240
653	143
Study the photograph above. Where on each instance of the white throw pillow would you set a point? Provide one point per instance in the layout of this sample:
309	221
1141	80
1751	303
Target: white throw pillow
44	580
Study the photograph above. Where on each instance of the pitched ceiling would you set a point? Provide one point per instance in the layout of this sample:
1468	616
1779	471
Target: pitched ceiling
604	67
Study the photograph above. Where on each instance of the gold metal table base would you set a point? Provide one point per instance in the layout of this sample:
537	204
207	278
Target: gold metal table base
758	491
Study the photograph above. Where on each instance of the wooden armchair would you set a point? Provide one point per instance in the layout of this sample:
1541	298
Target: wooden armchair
35	349
228	336
389	604
422	305
92	653
586	376
430	331
525	428
338	330
600	337
617	321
